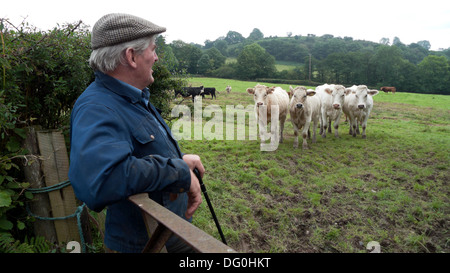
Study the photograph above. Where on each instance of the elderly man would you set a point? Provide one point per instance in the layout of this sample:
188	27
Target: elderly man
120	145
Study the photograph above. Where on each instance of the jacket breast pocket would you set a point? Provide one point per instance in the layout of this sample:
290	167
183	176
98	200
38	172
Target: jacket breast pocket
146	138
144	135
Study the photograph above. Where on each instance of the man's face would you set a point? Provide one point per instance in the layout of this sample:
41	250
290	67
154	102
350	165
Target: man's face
145	63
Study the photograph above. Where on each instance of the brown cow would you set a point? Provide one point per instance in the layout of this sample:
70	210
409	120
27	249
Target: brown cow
387	89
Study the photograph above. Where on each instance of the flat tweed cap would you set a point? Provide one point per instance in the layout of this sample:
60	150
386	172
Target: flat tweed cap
117	28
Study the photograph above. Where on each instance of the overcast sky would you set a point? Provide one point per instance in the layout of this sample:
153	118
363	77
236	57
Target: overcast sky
200	20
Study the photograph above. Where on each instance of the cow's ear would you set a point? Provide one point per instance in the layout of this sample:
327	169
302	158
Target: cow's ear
328	90
270	89
290	87
373	92
251	90
310	92
347	91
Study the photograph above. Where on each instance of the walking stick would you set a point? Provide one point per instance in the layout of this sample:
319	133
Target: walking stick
202	186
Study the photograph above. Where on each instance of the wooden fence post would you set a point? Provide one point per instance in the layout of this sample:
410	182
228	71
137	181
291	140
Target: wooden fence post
55	163
40	205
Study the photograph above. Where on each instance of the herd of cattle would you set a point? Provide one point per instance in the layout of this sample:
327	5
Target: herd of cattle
199	91
321	107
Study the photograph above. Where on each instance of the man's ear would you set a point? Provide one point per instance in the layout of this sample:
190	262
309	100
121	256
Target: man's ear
130	57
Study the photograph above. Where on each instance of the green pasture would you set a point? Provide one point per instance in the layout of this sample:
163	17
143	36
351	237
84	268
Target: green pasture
339	195
280	65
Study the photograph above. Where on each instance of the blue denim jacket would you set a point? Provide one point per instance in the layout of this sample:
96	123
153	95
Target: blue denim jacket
120	146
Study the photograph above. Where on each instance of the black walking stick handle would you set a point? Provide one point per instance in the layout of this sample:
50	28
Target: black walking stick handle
203	188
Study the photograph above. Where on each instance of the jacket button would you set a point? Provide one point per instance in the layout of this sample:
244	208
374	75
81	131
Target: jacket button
152	136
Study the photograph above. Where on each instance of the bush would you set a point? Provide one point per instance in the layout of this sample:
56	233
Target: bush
45	71
11	188
42	75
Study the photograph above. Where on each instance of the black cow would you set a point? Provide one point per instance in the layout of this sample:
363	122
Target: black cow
209	91
189	91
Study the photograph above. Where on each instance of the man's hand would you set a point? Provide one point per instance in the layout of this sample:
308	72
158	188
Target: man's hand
193	162
194	194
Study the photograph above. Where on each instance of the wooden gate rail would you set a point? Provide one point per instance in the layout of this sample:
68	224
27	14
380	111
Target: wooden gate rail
162	223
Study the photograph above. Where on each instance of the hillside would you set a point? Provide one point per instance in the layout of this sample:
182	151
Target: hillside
324	59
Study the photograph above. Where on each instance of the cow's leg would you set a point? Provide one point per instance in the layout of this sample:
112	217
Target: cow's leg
305	135
364	126
325	125
354	125
282	121
321	128
314	128
295	136
336	125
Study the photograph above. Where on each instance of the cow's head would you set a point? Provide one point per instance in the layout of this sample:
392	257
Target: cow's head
338	93
361	95
260	93
299	96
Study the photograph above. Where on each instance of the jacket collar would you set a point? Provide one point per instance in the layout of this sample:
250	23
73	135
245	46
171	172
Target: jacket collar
121	88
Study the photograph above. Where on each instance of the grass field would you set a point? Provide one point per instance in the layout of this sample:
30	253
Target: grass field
342	193
280	65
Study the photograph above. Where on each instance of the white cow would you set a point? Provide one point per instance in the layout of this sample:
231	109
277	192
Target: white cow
270	96
348	91
357	107
351	89
228	89
304	108
332	98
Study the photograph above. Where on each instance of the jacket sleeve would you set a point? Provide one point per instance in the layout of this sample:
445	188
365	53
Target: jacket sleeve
103	169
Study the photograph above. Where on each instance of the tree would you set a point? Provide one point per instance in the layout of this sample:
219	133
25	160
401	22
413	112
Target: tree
255	35
187	56
254	62
222	46
204	64
169	60
425	44
216	58
384	41
414	53
397	42
336	66
386	65
434	74
234	37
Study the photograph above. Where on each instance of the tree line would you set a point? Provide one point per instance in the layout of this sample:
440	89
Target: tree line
324	59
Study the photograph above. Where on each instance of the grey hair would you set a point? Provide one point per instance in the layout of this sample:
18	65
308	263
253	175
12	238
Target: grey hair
106	59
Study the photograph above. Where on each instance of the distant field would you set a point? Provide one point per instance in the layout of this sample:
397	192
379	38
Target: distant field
391	188
280	65
237	86
284	65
